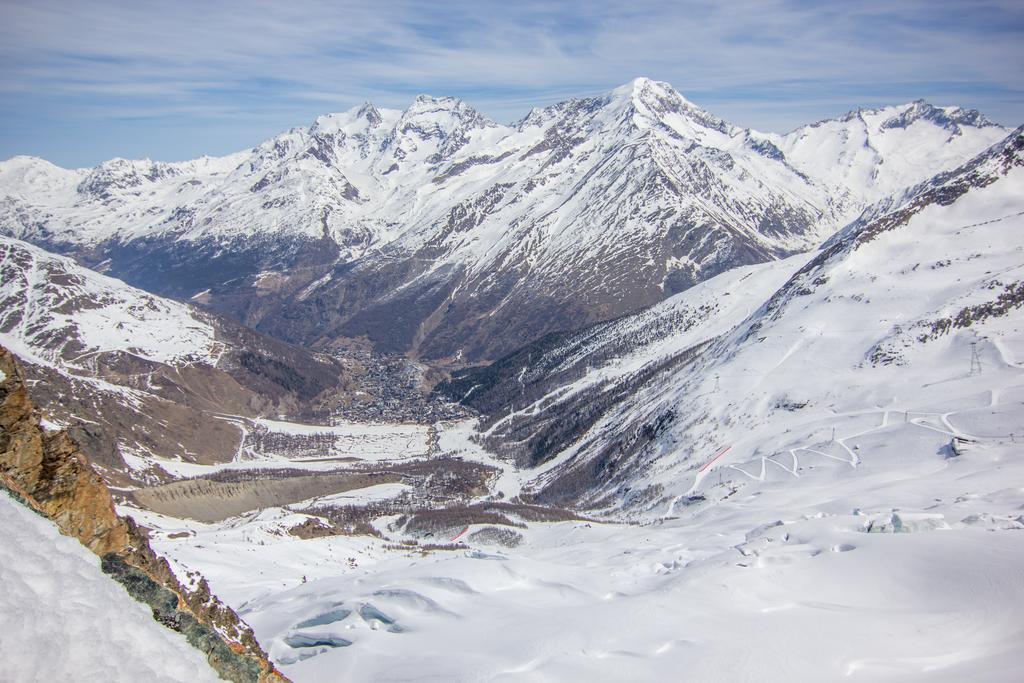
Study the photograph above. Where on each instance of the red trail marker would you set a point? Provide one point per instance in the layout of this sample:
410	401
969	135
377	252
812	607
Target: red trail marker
718	455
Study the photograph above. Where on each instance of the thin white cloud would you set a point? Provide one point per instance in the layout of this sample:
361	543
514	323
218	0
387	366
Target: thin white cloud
233	57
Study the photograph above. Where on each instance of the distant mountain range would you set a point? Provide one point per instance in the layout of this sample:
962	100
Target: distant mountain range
438	233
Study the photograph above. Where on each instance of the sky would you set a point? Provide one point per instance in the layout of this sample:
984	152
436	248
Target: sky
81	82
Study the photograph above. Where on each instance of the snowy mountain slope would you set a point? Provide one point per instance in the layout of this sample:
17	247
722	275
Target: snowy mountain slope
439	232
868	324
872	153
132	374
611	203
543	397
54	592
55	311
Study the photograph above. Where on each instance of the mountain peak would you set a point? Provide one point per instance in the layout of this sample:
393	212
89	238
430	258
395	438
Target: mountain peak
643	87
904	115
657	100
444	111
370	113
950	118
648	94
442	103
24	161
355	120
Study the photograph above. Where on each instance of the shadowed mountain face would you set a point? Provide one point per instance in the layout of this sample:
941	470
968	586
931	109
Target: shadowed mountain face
438	233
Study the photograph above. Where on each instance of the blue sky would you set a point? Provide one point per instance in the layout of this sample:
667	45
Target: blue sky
85	81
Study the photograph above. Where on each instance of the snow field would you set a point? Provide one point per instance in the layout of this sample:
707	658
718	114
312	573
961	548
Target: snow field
793	586
62	619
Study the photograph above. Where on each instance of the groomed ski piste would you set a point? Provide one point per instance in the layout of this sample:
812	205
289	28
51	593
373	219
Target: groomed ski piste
842	498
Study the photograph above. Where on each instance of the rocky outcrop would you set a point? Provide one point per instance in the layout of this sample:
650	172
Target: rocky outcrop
48	473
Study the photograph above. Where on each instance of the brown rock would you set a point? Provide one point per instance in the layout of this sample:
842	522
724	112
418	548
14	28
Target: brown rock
49	473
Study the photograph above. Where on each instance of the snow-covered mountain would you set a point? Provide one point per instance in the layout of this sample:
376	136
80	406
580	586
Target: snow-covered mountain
873	153
818	454
767	360
134	376
438	232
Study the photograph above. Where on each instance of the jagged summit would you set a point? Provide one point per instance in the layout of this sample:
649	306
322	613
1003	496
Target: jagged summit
444	112
121	174
641	104
370	113
427	102
357	119
659	101
950	118
903	115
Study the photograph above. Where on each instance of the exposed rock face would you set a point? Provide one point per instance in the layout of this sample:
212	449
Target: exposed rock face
49	473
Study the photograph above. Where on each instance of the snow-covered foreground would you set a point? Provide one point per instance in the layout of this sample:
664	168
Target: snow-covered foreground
79	624
904	567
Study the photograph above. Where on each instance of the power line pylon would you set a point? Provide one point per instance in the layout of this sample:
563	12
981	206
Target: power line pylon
975	359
